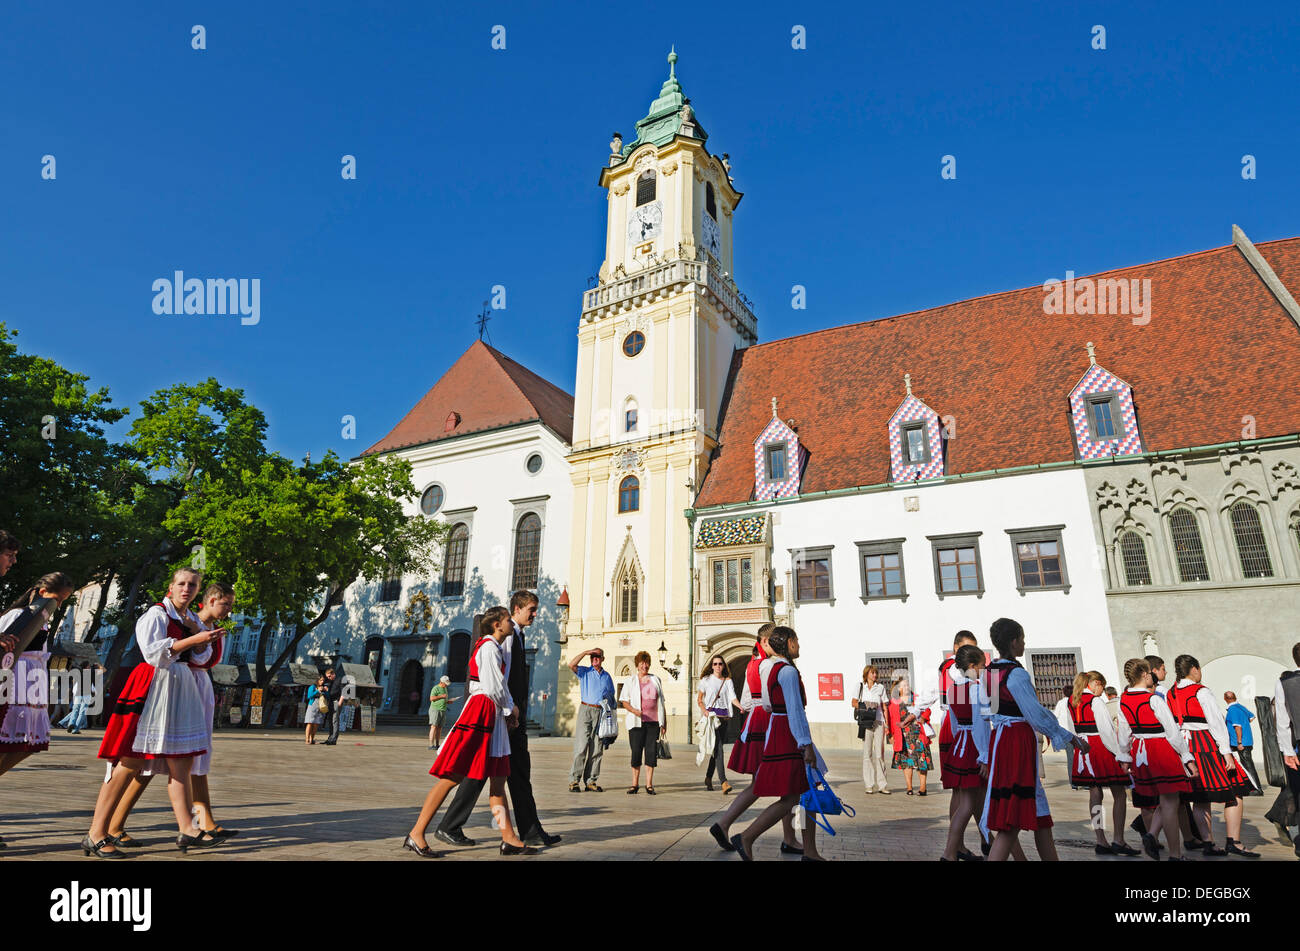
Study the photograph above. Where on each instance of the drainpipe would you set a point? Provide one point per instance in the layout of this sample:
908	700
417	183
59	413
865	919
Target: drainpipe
690	621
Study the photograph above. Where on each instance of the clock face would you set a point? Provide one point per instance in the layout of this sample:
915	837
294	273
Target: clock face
712	237
645	222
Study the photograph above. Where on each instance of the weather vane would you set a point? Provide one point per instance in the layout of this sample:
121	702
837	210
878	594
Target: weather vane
483	319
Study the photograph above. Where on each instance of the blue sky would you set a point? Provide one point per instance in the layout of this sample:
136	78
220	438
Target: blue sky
479	167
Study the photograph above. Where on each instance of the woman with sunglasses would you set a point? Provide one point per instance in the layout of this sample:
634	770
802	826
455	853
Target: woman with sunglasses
715	698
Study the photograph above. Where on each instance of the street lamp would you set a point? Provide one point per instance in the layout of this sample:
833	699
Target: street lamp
663	661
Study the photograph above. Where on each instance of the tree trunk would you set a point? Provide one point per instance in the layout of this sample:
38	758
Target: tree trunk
263	675
336	592
103	603
127	629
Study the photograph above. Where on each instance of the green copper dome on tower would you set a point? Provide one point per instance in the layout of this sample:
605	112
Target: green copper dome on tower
668	113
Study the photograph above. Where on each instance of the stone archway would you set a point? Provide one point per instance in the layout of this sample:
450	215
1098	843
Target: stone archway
736	648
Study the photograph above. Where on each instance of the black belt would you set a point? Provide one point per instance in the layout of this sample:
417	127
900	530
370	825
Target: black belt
1084	730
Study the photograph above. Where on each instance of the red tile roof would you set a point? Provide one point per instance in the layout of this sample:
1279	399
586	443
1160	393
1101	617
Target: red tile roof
487	390
1218	347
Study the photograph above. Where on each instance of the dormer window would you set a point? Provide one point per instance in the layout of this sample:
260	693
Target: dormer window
915	443
775	462
710	203
1102	416
645	188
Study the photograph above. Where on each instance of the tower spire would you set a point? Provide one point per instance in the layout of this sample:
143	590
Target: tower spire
672	62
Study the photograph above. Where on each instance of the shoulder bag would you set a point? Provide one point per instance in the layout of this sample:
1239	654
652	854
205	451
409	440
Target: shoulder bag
820	800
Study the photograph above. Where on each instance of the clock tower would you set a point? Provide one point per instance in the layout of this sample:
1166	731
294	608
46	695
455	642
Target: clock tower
655	343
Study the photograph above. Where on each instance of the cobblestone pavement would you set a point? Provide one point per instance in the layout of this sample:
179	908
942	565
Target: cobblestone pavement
356	801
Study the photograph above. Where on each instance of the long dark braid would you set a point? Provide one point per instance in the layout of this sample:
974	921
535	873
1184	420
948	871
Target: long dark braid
54	581
779	643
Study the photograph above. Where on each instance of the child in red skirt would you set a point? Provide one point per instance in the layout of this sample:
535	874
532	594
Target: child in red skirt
1219	775
478	746
747	752
965	761
1157	757
1100	768
1016	799
788	748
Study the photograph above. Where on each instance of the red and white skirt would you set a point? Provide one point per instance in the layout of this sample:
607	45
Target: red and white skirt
958	766
1015	792
466	751
1156	769
1097	767
1213	782
781	770
158	715
747	751
25	727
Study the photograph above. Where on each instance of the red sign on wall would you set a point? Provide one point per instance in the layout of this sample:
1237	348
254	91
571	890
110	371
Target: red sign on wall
830	686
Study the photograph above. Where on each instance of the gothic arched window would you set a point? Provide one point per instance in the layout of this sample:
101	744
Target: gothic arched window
528	547
453	574
1188	550
645	188
629	494
629	591
1133	552
1252	550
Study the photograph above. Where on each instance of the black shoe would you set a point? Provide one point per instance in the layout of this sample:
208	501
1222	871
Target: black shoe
720	837
224	833
1122	848
1103	850
1235	849
507	849
1138	826
204	840
574	787
592	787
453	838
123	840
966	855
787	849
542	837
738	844
1212	851
708	784
1151	846
424	853
87	847
1195	845
986	846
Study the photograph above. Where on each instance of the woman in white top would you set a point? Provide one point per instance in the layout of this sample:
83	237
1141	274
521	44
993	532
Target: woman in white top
642	696
716	696
871	705
25	721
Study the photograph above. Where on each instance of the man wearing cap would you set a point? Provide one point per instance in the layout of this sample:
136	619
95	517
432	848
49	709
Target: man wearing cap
437	711
596	687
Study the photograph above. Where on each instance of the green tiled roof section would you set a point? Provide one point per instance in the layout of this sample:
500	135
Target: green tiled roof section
721	532
664	120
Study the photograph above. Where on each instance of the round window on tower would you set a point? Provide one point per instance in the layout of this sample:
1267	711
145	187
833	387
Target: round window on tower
432	500
534	463
633	343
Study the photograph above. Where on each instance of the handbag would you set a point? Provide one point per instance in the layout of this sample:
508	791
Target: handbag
662	749
865	714
822	801
607	729
322	704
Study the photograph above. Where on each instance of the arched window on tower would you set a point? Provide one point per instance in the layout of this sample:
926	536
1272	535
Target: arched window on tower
629	494
1252	549
1133	552
528	547
645	188
710	203
1188	550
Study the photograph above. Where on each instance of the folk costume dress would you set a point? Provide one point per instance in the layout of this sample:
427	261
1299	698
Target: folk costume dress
747	751
781	770
200	662
25	723
1101	765
1016	799
478	746
1150	735
967	726
946	694
1219	775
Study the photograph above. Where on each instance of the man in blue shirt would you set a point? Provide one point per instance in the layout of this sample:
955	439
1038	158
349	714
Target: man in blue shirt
596	686
1240	736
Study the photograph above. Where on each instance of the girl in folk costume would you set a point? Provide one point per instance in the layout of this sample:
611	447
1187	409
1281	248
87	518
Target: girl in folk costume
966	770
158	718
1016	799
1220	777
478	746
1158	759
1103	766
945	699
747	751
24	694
218	599
788	748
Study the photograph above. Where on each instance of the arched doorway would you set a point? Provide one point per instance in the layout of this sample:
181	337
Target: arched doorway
412	689
737	666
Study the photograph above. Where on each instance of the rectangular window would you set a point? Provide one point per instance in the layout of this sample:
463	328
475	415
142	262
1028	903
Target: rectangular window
1103	416
889	667
629	423
733	580
775	455
391	589
882	569
812	574
1039	558
916	448
1053	672
957	564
